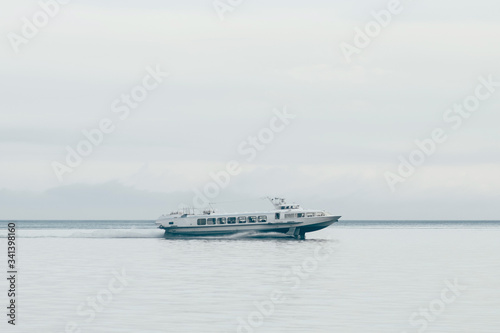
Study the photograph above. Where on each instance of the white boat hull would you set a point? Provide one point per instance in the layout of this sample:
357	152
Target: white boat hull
296	229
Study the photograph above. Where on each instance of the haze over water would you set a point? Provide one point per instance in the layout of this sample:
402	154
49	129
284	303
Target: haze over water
356	276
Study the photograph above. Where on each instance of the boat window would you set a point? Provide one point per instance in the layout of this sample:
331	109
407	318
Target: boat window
283	207
231	220
252	219
263	218
310	214
221	220
277	216
300	214
211	221
202	221
289	216
170	222
242	219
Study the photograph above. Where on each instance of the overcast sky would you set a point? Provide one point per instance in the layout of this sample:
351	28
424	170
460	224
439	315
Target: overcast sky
226	81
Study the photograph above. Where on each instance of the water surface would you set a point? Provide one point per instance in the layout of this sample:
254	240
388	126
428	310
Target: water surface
355	276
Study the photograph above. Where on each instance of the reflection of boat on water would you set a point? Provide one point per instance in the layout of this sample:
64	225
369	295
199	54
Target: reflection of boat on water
288	219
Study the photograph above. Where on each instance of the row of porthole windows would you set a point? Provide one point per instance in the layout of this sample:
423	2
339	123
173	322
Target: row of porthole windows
310	214
233	220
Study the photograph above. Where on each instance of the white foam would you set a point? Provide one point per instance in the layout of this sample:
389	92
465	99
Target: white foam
87	233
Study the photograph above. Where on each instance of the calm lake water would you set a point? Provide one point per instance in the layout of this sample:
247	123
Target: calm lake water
355	276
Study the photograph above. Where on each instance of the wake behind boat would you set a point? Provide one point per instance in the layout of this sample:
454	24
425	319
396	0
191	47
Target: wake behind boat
291	220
